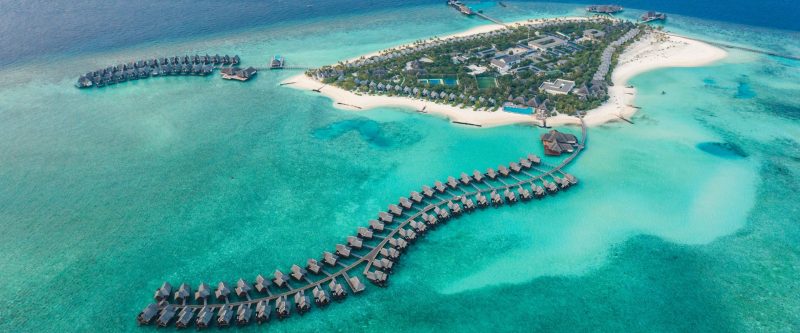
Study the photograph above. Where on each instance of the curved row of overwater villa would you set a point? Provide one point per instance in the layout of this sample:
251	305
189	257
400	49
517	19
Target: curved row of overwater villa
377	247
141	69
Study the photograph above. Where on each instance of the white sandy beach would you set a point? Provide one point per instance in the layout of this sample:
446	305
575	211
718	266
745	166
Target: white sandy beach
656	50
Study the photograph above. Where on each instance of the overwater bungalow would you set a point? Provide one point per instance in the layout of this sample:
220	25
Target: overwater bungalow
301	302
477	175
354	242
503	170
439	186
407	234
320	296
184	318
355	284
243	288
419	227
385	217
243	314
377	277
524	193
224	315
454	207
555	143
405	203
510	197
571	179
279	279
481	199
416	196
394	209
364	233
204	317
442	213
202	293
313	266
451	181
383	264
464	178
163	292
525	163
390	253
468	203
427	191
147	314
534	159
281	308
329	258
223	291
398	243
491	173
376	225
342	250
337	291
262	284
263	311
496	199
515	167
183	293
167	313
297	273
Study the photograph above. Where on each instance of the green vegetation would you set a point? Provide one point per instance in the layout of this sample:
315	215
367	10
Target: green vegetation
492	68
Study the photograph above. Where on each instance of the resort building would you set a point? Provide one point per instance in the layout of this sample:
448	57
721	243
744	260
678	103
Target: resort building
559	87
546	43
234	73
593	34
555	143
504	63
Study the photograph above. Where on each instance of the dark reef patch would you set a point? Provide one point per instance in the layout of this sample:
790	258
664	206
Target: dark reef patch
722	149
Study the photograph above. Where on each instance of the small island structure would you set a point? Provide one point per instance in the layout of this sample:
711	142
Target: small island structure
555	143
235	73
461	7
604	9
653	16
562	66
277	62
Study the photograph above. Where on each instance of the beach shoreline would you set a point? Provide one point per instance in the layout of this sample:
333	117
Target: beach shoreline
654	51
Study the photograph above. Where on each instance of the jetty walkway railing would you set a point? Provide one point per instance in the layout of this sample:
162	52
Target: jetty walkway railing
378	247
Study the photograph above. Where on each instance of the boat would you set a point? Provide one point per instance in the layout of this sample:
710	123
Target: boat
277	62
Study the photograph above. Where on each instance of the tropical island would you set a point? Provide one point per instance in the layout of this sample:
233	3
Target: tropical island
534	71
548	66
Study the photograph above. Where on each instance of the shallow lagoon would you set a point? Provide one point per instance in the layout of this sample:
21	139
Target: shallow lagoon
106	193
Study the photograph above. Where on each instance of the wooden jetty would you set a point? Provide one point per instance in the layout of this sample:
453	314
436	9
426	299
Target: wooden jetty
198	65
372	251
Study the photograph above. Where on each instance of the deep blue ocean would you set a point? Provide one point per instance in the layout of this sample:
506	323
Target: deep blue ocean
39	29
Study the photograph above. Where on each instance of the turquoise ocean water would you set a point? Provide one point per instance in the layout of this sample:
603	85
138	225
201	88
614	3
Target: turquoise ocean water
685	221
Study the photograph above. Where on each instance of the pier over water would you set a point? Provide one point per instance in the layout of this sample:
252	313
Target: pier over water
370	254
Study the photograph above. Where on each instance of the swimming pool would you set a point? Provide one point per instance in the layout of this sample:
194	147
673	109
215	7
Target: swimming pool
513	109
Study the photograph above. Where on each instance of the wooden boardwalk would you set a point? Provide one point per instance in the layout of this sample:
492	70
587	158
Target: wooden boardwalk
375	248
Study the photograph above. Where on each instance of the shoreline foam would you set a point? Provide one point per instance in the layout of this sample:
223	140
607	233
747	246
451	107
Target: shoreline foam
656	50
